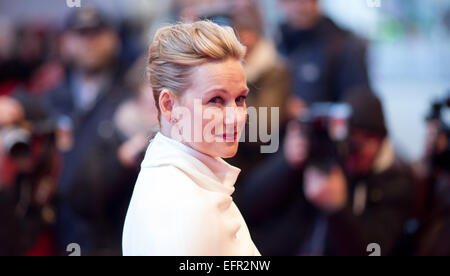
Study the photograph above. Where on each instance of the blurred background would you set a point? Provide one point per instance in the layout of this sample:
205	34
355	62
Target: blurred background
76	115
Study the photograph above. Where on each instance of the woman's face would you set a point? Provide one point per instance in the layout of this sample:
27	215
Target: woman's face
216	105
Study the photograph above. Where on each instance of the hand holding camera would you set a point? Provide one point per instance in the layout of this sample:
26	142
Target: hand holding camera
326	190
10	111
312	143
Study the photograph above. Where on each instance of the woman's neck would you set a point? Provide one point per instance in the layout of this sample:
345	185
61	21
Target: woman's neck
166	128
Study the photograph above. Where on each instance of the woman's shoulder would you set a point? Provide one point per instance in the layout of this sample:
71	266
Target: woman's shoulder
170	212
173	189
164	180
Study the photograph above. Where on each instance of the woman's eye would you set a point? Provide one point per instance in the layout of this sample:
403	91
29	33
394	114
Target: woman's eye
216	100
241	99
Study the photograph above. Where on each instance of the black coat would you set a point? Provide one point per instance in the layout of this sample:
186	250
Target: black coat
433	237
283	222
94	188
325	62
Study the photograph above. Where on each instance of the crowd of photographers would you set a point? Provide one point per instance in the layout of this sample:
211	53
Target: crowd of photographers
76	115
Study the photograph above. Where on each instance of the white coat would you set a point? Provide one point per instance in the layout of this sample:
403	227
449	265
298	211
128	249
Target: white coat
182	205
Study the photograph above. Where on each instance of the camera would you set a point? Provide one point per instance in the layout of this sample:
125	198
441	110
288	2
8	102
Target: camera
326	127
16	141
440	113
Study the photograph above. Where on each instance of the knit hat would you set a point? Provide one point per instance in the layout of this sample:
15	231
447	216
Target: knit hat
88	18
367	111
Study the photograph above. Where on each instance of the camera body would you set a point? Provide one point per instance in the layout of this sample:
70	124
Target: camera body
440	113
16	141
326	127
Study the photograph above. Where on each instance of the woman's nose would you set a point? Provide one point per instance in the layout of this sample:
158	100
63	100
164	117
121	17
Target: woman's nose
235	115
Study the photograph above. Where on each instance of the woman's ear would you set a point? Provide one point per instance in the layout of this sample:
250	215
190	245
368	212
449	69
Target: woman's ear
166	103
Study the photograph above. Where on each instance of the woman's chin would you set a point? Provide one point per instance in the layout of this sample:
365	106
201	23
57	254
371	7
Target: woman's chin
228	150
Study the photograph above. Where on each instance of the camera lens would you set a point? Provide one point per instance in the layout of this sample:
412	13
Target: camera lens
16	142
20	150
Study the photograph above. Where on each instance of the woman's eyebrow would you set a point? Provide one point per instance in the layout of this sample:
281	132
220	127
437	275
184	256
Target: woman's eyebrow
244	90
221	90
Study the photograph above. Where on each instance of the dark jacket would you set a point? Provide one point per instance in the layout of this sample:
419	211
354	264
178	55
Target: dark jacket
325	61
283	222
433	237
93	185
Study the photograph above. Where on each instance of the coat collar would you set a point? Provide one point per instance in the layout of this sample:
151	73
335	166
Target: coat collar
210	173
385	158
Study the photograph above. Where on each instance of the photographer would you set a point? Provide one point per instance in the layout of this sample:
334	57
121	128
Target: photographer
91	181
433	237
10	112
28	173
335	207
325	60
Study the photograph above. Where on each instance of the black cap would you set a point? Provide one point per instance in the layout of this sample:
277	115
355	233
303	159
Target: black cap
89	18
367	111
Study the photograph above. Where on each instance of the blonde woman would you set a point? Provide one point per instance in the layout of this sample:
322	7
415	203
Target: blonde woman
182	203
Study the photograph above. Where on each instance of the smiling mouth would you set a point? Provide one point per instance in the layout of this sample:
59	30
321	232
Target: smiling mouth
229	136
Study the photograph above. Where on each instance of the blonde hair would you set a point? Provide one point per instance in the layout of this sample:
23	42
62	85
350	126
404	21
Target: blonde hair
177	49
